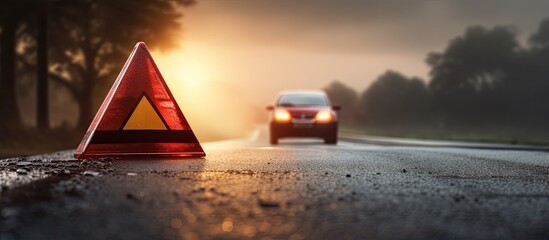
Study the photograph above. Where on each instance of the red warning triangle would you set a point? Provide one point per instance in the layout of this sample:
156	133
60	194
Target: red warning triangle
139	117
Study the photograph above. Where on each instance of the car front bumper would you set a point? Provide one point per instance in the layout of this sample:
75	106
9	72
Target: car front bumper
320	130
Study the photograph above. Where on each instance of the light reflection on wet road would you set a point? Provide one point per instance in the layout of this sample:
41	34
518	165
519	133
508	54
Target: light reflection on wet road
299	189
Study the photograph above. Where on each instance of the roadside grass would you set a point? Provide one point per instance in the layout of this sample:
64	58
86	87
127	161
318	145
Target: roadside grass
528	135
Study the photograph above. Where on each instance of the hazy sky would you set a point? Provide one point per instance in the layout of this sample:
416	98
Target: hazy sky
251	49
261	47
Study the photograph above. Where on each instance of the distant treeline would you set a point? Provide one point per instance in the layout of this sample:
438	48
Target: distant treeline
483	77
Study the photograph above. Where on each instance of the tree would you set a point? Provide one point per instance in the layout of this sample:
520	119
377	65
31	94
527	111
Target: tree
540	39
42	72
11	13
344	96
93	38
394	98
530	81
470	66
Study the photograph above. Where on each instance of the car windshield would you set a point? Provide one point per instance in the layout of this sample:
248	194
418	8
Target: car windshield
302	100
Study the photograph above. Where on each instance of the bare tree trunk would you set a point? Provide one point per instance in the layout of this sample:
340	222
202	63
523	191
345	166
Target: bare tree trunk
9	111
85	108
89	81
42	107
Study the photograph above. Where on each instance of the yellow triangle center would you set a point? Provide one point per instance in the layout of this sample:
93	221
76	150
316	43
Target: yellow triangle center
144	117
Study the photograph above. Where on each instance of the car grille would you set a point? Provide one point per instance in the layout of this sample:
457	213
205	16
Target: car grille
303	115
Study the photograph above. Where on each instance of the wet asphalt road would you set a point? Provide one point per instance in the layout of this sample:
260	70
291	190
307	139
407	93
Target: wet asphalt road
299	189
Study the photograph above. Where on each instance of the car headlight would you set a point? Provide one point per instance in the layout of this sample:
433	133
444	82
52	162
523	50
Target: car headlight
324	116
281	115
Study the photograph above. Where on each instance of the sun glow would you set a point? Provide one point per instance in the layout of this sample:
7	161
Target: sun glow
184	68
211	104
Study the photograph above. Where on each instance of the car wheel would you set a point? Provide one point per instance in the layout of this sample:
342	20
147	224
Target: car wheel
331	139
273	139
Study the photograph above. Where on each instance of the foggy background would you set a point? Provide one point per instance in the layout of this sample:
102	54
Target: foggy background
469	70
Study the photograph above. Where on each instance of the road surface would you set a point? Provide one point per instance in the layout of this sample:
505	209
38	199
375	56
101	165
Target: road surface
300	189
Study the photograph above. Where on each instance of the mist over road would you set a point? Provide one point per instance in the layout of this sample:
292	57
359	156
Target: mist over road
299	189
